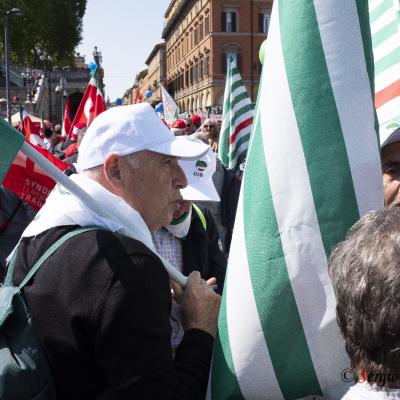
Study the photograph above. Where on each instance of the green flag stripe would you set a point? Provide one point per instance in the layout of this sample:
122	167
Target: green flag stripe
223	380
10	143
381	9
275	301
387	61
385	33
334	217
242	140
237	114
236	100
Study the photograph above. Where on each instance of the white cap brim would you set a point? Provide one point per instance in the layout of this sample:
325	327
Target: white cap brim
186	149
393	137
201	192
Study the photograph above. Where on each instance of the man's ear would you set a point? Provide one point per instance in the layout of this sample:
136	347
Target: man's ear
112	171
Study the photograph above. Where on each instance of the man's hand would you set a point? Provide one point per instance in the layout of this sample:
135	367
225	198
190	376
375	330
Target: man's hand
200	305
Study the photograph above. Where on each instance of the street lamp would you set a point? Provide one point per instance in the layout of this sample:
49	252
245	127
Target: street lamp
5	15
27	76
60	88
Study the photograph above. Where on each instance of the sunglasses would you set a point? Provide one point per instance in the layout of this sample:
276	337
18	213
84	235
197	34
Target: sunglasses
189	126
208	126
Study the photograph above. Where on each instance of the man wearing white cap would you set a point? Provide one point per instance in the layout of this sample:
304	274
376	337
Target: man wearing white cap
191	241
101	303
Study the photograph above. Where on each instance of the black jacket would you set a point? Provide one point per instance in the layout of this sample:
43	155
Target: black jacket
202	249
101	308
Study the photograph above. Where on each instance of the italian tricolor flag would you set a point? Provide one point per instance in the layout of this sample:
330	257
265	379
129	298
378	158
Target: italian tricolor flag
312	170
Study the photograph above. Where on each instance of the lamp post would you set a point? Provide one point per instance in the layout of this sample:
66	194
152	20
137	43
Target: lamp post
5	15
60	88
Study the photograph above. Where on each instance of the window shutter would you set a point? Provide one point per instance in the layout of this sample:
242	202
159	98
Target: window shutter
223	22
233	22
260	23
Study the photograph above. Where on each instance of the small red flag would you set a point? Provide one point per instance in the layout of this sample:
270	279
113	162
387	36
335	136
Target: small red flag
92	104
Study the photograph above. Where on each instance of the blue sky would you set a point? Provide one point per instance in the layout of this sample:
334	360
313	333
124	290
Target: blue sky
125	31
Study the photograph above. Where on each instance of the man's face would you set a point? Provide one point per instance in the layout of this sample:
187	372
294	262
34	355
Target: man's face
152	188
390	158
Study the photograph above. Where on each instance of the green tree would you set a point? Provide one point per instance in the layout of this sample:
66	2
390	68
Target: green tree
54	26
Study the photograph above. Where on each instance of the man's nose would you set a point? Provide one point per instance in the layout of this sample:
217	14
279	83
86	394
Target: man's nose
180	180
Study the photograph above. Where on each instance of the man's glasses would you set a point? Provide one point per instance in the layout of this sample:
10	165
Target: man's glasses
208	126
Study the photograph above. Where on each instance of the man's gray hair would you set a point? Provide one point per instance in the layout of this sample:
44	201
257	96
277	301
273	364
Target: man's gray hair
135	160
365	271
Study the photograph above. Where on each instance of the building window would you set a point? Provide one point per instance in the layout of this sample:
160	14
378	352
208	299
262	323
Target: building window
236	56
196	36
206	67
195	77
206	25
229	21
201	30
264	21
187	77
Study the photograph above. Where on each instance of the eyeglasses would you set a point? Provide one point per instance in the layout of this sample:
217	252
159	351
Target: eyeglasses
208	126
189	126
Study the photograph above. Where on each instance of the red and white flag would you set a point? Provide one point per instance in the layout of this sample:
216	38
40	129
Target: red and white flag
66	128
30	129
92	104
28	181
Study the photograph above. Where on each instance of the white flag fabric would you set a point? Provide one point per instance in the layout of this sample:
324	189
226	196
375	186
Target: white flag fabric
385	30
171	110
312	170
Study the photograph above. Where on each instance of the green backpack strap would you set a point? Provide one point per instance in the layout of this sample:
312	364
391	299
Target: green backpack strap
11	267
201	216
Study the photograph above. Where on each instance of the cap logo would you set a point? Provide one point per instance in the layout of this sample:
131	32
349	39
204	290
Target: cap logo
201	165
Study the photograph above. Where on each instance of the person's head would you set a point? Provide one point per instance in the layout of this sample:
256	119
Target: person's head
390	159
210	128
130	152
178	127
365	271
196	120
48	133
57	129
189	126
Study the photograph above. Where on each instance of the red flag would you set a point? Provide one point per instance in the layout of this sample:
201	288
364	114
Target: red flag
28	181
92	104
67	120
138	96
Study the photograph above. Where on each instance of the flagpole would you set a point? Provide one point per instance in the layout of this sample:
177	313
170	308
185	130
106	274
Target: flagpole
89	201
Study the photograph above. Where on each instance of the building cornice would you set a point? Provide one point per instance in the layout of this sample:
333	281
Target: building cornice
178	16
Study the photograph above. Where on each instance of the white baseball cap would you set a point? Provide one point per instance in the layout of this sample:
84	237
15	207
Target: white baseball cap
199	174
128	129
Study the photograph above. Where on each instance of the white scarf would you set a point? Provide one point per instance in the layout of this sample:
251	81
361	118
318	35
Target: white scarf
63	208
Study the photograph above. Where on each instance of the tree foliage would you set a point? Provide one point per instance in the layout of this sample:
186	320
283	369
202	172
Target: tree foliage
54	26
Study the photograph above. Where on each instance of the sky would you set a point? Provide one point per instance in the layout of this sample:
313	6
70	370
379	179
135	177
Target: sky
125	31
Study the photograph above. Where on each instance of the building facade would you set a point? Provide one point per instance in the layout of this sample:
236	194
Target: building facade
200	36
156	73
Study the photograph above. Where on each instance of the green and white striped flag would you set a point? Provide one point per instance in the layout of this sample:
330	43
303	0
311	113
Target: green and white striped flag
312	170
237	119
385	30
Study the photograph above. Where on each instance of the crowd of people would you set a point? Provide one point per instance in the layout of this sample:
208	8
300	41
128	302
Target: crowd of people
103	306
